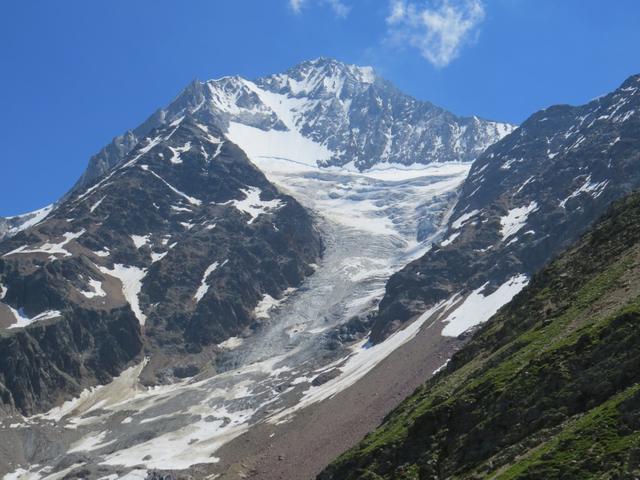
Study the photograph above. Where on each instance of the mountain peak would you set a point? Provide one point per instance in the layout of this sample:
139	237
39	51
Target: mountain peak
328	65
322	77
343	114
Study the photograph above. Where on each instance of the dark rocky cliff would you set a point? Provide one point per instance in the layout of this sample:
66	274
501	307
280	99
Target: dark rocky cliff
167	255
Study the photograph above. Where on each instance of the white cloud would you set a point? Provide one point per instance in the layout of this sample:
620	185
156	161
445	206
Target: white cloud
340	8
439	29
296	5
398	12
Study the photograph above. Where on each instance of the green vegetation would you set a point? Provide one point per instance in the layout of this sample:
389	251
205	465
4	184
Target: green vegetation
548	389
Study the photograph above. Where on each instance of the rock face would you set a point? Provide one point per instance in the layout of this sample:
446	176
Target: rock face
343	114
52	361
527	198
364	120
168	253
547	389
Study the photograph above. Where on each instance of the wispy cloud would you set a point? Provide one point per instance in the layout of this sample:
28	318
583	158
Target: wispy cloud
439	29
340	8
296	5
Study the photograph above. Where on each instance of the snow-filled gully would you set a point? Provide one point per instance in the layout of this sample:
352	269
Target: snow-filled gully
370	225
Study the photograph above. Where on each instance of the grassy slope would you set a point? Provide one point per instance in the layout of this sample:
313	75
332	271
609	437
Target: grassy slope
549	388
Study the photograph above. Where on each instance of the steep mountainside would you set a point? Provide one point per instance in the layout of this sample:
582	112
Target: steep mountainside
324	111
527	198
169	253
549	388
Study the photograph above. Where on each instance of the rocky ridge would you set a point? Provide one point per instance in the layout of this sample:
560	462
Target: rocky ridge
351	115
527	198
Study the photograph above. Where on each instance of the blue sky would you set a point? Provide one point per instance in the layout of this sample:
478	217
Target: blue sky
75	73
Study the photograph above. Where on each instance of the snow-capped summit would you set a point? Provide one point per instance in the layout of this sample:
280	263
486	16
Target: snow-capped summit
321	78
319	113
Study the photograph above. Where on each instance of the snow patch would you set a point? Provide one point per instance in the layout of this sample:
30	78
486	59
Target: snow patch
515	219
51	248
441	367
594	189
252	205
36	473
231	343
450	240
22	320
191	200
180	209
140	241
96	289
156	257
131	279
526	182
96	205
463	219
204	286
33	218
478	308
176	152
268	302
